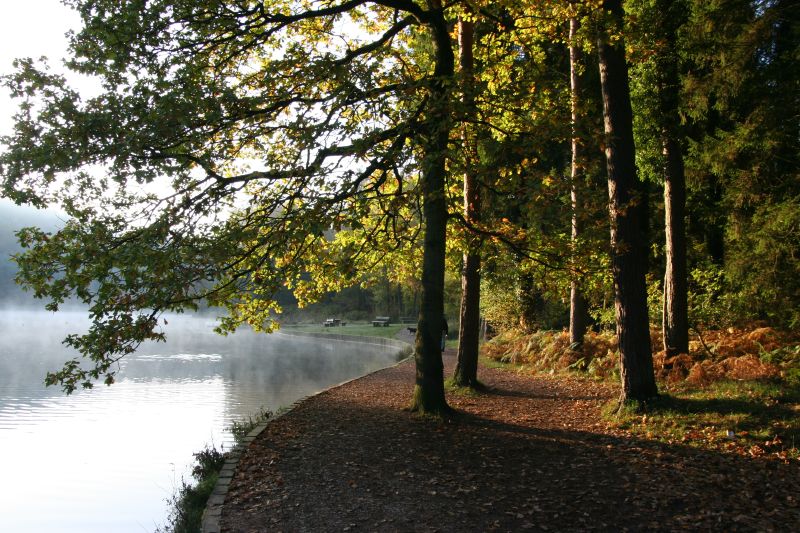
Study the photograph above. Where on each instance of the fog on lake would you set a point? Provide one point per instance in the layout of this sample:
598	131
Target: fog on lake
106	459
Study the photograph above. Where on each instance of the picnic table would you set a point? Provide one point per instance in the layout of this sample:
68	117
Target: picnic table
381	321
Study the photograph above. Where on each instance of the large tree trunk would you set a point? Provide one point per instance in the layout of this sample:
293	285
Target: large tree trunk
466	371
628	246
428	394
578	307
675	317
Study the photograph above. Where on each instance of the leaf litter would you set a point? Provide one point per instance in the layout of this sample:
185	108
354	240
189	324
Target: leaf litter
530	453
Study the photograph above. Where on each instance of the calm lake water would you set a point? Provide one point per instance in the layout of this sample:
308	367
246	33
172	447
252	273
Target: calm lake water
106	459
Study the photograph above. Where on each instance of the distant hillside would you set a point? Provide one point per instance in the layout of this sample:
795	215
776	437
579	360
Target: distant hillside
12	218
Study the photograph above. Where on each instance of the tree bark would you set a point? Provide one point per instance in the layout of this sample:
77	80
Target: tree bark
675	320
578	307
428	396
628	246
466	371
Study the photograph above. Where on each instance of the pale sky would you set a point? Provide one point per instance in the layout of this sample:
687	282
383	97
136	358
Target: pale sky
35	28
31	28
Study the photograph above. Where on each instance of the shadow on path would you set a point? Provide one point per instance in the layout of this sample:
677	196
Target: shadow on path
527	456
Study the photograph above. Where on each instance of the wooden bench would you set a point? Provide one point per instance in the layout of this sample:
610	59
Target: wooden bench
332	322
381	321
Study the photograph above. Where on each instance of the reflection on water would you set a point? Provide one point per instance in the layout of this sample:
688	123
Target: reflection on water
106	459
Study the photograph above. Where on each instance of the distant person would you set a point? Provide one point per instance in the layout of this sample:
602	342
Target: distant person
444	330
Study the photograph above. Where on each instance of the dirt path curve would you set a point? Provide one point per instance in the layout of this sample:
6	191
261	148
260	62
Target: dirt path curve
530	454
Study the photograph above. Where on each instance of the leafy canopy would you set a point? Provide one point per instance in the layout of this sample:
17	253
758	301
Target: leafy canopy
229	138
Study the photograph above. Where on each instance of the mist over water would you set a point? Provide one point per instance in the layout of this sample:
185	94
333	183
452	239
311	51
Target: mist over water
106	459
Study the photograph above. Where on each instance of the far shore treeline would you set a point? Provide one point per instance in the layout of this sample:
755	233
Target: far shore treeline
561	165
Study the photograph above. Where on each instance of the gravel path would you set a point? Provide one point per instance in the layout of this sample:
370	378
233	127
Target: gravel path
532	453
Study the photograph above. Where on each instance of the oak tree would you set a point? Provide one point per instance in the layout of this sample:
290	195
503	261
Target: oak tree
228	138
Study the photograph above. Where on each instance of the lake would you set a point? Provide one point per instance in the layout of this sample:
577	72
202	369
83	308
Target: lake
107	459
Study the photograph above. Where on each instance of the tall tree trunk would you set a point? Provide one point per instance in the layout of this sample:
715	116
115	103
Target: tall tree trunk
675	316
675	319
578	307
428	394
466	371
628	247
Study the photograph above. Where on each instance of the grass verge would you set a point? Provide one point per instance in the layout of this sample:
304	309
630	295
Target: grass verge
747	417
360	330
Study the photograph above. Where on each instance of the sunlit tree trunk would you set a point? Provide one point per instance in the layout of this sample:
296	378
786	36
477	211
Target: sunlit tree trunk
466	371
578	307
675	320
428	394
628	246
675	316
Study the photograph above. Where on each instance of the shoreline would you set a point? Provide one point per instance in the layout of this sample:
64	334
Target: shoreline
212	515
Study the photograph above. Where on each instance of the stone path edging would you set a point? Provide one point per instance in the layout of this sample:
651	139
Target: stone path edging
213	511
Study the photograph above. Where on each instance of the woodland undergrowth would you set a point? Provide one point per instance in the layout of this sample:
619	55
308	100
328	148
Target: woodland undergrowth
737	390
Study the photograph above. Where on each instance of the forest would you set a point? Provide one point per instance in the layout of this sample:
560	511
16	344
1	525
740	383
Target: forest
580	166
